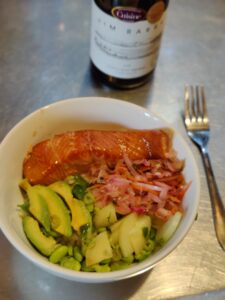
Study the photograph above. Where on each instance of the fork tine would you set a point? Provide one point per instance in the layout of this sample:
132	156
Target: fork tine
195	112
187	116
204	106
193	104
198	104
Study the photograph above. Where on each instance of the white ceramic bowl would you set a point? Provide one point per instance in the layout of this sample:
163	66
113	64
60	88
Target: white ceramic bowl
72	114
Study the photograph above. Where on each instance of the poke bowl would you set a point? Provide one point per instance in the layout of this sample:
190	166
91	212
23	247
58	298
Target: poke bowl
134	241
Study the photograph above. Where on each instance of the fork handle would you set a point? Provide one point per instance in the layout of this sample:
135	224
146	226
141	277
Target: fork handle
216	201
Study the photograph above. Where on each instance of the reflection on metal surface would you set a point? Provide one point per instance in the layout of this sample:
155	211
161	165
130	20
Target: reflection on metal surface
61	26
213	295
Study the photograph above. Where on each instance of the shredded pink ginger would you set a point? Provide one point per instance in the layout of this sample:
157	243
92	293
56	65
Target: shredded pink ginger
152	187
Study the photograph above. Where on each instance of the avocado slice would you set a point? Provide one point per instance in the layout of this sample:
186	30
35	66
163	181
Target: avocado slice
37	205
38	208
46	245
59	214
79	212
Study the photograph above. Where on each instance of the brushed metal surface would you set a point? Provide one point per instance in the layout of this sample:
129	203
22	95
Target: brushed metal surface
44	57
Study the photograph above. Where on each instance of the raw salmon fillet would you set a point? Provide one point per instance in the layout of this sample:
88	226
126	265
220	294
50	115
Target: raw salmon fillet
71	152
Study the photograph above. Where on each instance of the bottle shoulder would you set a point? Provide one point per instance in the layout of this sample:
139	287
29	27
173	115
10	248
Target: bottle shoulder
108	5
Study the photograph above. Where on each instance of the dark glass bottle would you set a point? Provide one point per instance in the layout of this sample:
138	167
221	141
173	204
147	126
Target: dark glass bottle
125	40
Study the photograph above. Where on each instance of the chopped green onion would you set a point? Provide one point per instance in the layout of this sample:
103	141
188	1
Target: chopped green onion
152	233
80	186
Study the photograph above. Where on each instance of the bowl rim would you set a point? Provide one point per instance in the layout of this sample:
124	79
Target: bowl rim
140	267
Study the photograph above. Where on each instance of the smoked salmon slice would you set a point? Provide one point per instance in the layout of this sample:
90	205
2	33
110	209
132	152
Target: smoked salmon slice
73	152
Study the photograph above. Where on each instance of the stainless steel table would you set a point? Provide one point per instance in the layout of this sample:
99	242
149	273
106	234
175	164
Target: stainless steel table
44	57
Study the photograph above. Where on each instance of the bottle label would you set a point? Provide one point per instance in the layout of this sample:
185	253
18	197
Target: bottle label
129	14
126	44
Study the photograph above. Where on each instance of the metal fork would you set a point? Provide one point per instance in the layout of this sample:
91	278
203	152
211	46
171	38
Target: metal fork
197	125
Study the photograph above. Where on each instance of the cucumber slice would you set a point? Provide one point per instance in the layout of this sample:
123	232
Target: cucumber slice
105	216
168	228
98	249
136	235
124	239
